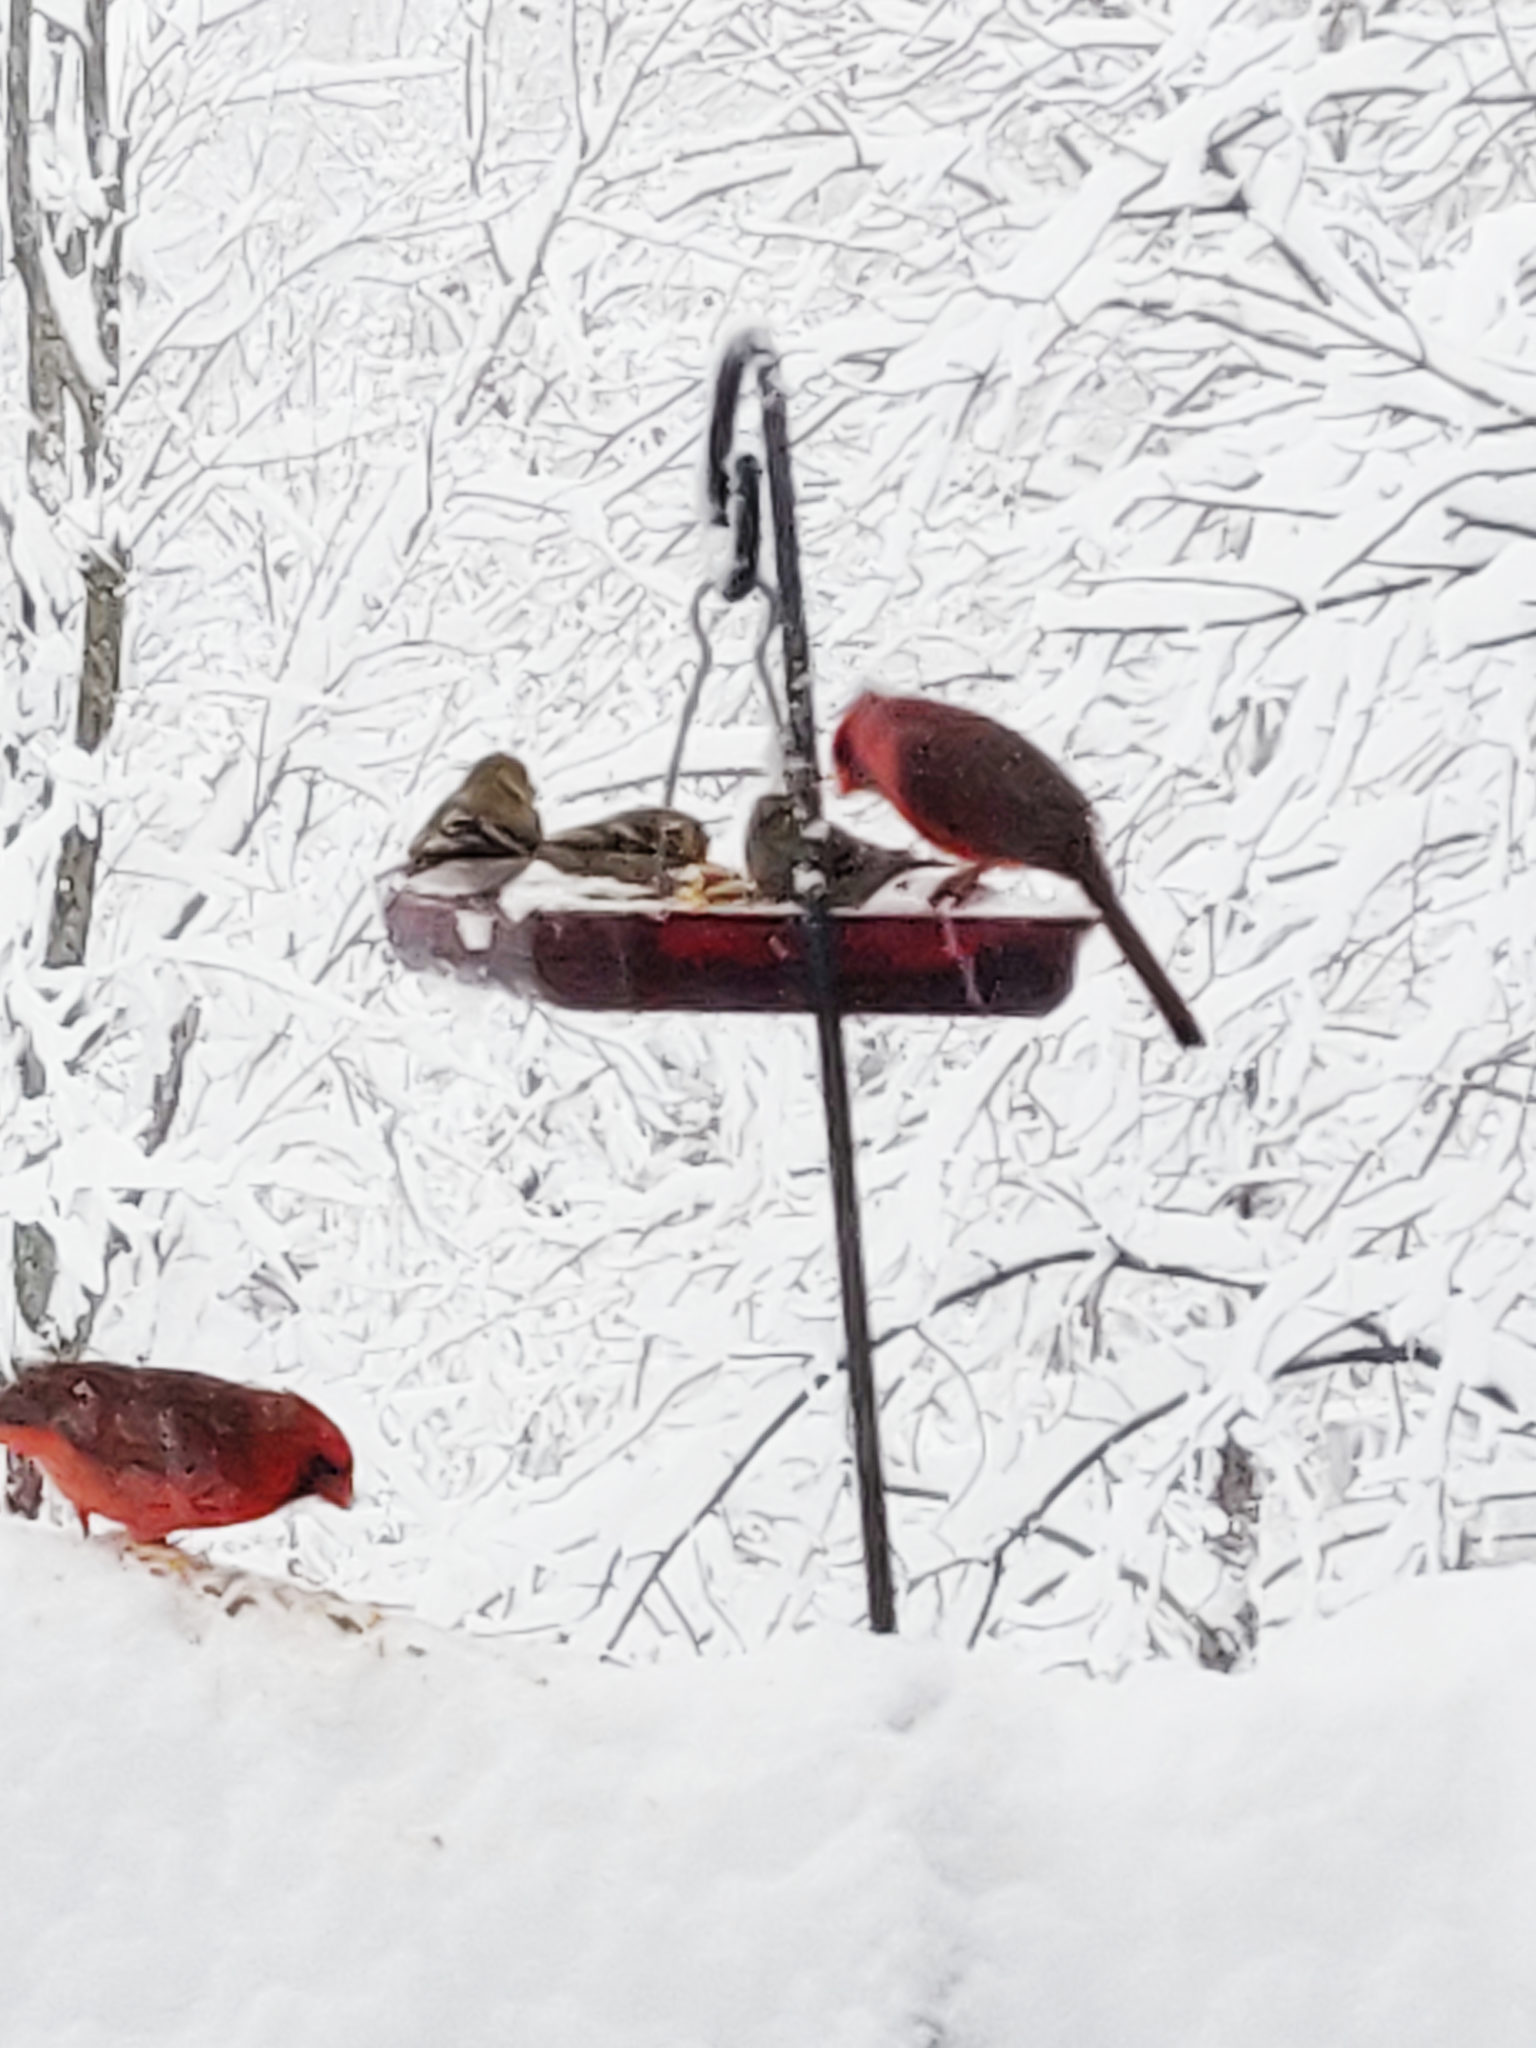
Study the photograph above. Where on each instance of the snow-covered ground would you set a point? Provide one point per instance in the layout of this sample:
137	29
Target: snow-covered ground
234	1817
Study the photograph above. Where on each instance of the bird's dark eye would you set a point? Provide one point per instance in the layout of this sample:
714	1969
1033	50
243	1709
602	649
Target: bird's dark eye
319	1468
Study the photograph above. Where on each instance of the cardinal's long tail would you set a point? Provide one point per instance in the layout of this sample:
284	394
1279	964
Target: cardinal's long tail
1139	955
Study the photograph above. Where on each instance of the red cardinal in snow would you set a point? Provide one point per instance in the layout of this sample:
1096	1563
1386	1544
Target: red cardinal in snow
158	1450
982	791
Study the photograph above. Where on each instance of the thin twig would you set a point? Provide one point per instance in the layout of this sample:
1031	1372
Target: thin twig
166	1095
1411	1353
665	1557
1048	1500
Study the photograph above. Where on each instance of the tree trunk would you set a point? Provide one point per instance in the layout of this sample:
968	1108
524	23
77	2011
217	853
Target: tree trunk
57	86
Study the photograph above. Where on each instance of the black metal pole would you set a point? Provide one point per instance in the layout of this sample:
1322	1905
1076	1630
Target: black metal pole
850	1260
821	935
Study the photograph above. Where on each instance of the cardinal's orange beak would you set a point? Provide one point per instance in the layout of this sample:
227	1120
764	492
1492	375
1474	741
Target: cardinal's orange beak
335	1487
326	1478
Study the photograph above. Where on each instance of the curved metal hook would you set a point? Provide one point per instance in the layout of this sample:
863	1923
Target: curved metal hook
753	346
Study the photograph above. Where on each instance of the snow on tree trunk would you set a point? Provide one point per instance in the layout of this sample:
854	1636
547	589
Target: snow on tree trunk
64	169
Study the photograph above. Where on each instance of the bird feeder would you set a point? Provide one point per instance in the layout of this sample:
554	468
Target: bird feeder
638	956
582	949
558	940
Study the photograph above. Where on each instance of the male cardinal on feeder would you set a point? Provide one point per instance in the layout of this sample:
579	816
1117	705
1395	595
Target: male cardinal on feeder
982	791
159	1450
855	869
643	846
490	816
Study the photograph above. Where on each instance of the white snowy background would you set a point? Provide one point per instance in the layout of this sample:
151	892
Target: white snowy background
1162	382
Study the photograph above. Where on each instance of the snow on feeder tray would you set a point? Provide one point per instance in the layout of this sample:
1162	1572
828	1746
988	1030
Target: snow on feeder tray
599	945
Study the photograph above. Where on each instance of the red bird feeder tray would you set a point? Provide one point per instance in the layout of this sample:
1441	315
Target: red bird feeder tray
654	955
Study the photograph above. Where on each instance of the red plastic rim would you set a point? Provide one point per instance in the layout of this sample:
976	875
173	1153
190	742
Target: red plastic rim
612	957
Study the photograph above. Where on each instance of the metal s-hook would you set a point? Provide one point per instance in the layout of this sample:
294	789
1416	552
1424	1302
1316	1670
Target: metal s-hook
746	502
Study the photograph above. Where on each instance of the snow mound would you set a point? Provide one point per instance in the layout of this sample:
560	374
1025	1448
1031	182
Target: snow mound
243	1814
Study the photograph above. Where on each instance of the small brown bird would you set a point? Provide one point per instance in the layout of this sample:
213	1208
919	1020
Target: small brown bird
982	791
158	1450
490	816
855	868
644	846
